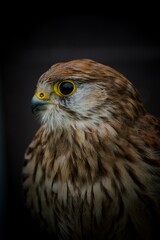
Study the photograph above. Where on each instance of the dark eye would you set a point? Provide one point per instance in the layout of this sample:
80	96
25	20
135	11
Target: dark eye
65	88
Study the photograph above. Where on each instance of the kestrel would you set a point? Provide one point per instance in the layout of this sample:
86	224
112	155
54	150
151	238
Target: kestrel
92	171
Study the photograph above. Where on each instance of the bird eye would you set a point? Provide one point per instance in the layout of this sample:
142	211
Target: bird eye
64	88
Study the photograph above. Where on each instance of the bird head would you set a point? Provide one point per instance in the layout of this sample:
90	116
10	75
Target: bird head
82	92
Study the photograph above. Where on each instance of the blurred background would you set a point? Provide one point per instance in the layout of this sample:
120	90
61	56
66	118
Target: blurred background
130	43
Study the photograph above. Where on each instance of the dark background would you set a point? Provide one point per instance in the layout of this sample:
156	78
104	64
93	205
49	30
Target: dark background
128	42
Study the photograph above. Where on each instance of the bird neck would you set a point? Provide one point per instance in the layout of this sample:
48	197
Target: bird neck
85	154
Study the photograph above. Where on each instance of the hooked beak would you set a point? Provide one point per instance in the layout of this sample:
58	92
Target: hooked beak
38	105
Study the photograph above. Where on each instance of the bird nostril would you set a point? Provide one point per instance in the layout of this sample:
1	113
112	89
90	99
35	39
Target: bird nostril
41	95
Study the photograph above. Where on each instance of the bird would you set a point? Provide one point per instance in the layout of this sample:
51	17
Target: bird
92	170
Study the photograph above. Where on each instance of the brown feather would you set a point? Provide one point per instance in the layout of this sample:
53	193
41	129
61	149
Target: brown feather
97	176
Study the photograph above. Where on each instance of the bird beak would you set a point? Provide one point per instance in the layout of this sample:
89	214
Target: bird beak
39	102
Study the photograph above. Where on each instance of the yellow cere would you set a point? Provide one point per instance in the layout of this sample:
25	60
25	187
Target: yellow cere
64	88
41	95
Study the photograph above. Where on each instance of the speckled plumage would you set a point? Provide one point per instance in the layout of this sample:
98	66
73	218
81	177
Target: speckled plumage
92	171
